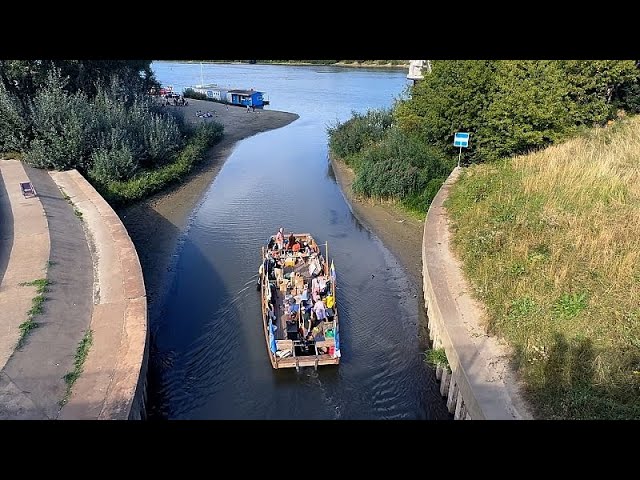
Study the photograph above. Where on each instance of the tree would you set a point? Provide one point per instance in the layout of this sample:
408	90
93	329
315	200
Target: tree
530	108
454	97
23	78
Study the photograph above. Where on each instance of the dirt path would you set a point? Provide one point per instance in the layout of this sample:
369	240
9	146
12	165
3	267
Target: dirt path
155	224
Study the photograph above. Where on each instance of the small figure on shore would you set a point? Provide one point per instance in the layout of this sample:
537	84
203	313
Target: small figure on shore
248	108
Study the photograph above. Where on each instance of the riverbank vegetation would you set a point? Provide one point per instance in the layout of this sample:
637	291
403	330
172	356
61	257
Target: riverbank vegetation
389	163
551	243
545	219
97	117
508	107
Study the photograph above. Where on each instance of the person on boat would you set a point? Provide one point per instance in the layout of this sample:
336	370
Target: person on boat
296	247
291	241
269	265
315	290
280	238
319	310
322	284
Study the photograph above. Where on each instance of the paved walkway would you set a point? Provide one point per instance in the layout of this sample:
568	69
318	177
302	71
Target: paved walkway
479	362
24	250
31	378
114	373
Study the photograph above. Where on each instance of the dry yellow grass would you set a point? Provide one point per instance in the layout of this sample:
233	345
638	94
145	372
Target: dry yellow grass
551	241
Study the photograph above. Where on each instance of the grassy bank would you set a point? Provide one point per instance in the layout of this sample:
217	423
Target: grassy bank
148	182
551	244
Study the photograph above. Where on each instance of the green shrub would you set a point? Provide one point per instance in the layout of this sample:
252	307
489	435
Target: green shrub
399	166
115	164
122	132
162	139
13	126
147	182
61	125
348	138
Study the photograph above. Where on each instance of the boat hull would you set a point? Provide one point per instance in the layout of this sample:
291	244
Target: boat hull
285	347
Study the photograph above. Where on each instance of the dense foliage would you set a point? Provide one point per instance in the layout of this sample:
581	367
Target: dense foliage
96	117
508	107
511	107
147	182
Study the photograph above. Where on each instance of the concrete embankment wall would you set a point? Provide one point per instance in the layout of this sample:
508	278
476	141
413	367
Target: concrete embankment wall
113	382
478	383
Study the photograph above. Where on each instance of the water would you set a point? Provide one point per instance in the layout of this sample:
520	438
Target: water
208	354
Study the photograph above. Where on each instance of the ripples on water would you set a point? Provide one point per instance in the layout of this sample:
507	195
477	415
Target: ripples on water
208	353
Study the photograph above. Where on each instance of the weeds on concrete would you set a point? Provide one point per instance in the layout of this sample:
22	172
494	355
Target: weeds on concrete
436	357
78	365
37	308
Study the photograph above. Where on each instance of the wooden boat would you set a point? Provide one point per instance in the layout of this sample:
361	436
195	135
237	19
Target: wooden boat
299	331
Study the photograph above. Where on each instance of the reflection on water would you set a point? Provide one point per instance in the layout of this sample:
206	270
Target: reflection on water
208	353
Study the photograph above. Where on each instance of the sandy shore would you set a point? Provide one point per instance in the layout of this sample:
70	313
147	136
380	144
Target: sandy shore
155	224
400	232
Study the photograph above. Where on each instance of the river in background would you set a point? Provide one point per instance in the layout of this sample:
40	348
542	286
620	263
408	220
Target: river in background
208	354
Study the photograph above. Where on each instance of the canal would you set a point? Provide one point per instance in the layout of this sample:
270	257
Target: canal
208	358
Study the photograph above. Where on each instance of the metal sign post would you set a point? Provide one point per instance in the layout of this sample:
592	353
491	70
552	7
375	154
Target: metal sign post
461	139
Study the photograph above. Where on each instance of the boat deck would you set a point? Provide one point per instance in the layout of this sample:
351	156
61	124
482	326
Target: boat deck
302	339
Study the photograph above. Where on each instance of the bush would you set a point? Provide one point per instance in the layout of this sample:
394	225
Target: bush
121	132
112	164
398	167
13	126
61	124
348	138
162	139
145	183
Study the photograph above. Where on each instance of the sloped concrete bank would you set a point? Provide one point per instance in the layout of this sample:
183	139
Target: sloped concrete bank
113	382
478	383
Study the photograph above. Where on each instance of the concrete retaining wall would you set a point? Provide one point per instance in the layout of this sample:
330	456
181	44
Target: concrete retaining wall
478	383
113	382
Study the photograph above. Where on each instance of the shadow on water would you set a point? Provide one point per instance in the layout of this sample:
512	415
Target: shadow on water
208	357
6	228
187	346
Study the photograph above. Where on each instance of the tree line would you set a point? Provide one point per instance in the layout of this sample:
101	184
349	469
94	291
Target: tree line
95	116
509	108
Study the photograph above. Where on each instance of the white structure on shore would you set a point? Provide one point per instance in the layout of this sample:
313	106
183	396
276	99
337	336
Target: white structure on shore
415	69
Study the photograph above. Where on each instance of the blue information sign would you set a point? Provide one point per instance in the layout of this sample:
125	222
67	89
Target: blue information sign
461	140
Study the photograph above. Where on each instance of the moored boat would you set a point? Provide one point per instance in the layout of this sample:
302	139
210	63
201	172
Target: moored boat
298	297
